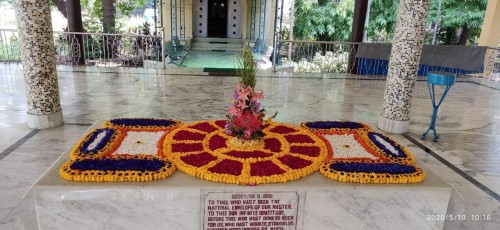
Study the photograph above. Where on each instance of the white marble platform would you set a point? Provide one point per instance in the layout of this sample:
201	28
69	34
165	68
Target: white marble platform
176	203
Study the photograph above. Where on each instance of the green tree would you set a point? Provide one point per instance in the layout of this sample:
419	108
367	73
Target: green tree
323	20
382	21
460	21
105	12
101	15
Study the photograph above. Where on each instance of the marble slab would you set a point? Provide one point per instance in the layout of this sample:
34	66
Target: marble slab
176	203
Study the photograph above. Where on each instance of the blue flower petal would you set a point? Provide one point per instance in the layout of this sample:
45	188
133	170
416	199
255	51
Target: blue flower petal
142	122
390	168
107	164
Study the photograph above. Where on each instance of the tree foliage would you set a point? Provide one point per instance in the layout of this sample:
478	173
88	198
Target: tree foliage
93	13
323	20
459	20
382	21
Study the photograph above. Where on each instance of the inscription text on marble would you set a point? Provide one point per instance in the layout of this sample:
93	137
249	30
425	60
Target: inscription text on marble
250	210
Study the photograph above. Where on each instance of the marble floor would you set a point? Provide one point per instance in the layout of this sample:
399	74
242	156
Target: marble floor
469	122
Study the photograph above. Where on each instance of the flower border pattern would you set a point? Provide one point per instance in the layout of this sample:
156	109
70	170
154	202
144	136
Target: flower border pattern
106	145
232	161
94	173
215	157
358	172
345	126
150	124
388	168
99	165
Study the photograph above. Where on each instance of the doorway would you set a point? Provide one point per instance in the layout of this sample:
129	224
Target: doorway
217	18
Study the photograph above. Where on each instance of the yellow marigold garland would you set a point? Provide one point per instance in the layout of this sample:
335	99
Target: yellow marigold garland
132	124
114	132
70	174
354	172
376	178
244	177
111	145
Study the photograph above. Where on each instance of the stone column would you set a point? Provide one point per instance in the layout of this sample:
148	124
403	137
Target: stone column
403	65
34	26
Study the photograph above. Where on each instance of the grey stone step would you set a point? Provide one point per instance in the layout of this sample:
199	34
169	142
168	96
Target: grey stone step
205	44
236	49
208	39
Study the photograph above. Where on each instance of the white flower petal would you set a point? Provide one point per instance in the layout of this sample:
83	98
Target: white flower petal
140	143
346	146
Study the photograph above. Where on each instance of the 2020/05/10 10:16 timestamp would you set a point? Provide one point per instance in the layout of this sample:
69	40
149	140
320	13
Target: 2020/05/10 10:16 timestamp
473	217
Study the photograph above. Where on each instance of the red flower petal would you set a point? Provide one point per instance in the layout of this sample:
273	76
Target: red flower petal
221	123
227	167
294	162
299	138
198	160
282	130
247	121
265	168
185	147
204	126
217	142
272	144
312	151
187	135
245	155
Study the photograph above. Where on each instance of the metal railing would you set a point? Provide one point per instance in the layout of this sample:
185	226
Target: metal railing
334	57
492	64
93	49
313	56
9	47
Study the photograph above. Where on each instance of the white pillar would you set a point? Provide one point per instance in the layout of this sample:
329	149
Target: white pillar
34	26
403	65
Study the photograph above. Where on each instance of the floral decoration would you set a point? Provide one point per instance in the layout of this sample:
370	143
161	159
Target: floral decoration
123	150
142	123
245	117
144	149
117	169
97	143
373	172
285	153
363	156
334	126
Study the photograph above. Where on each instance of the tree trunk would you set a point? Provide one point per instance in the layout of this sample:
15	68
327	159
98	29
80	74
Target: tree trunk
108	13
108	26
74	10
449	36
357	30
61	6
464	36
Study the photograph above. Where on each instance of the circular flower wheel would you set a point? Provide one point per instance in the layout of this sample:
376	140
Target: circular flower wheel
203	149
